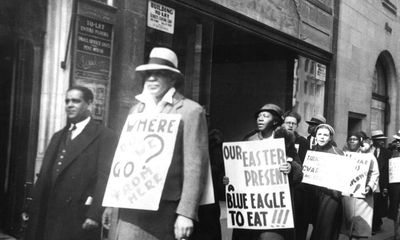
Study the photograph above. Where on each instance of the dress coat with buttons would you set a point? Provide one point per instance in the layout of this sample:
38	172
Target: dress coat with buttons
58	209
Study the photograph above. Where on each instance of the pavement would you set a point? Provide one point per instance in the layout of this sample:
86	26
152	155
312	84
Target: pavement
386	232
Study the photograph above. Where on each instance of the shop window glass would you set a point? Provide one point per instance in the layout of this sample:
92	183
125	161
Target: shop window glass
309	100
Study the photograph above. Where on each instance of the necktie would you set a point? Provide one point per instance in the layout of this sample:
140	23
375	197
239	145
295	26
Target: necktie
69	134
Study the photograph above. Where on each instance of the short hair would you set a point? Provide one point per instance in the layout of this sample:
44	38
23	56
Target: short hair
292	114
87	94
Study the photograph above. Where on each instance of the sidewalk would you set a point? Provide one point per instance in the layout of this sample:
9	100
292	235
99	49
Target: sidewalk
387	231
385	234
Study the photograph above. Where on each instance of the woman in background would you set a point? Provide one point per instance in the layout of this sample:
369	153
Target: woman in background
358	212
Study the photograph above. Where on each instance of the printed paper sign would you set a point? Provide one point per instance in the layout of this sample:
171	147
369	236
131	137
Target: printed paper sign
141	161
258	194
327	170
161	17
358	180
394	170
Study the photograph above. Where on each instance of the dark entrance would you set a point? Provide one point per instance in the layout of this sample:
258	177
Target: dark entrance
19	102
247	72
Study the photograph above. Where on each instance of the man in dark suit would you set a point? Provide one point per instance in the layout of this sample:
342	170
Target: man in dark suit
380	198
69	190
186	177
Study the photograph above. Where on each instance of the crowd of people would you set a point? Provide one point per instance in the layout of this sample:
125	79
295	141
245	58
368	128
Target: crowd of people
68	193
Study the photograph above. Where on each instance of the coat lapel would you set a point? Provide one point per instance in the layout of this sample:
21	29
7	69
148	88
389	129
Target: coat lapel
80	143
177	103
52	151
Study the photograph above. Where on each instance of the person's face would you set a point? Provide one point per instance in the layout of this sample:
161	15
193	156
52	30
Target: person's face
75	106
353	143
311	128
322	136
290	123
265	120
379	143
157	83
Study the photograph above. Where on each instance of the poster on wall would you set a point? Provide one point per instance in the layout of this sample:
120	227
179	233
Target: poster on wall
161	17
258	194
92	52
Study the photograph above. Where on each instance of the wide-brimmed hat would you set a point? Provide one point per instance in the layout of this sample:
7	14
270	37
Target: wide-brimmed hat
397	136
161	59
272	108
316	120
377	134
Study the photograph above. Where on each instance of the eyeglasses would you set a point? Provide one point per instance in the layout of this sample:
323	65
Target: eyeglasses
290	123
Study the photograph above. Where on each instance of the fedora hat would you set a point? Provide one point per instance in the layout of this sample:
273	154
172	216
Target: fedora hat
316	120
161	59
397	136
377	134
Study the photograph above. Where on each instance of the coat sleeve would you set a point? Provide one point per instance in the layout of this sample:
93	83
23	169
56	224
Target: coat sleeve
296	174
106	148
195	161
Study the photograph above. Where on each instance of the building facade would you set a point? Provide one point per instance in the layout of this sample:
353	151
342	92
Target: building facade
236	56
367	63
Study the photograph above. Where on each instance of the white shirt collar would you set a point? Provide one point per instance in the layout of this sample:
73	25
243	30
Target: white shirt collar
79	127
151	105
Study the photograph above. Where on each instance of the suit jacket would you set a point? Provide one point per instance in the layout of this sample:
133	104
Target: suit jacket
58	209
383	165
187	173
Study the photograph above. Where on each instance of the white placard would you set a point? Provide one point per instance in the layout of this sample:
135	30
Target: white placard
358	181
141	161
327	170
394	170
161	17
258	194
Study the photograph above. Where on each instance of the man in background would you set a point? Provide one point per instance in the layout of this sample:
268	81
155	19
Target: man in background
68	193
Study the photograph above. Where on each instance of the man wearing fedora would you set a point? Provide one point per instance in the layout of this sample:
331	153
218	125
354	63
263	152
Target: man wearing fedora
186	176
380	198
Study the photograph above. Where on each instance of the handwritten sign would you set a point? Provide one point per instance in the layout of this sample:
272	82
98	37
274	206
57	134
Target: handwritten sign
141	161
258	194
394	170
362	162
327	170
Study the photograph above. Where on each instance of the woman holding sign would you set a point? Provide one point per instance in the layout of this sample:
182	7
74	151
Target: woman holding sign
327	222
268	120
358	210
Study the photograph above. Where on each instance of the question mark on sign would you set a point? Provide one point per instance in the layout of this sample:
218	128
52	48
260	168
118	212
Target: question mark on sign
152	138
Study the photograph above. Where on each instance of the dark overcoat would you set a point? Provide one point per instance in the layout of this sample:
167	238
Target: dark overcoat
58	209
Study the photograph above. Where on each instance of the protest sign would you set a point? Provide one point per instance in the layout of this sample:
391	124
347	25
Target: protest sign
394	170
358	179
258	194
327	170
141	161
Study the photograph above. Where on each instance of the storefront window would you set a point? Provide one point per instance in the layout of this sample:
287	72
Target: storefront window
308	89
